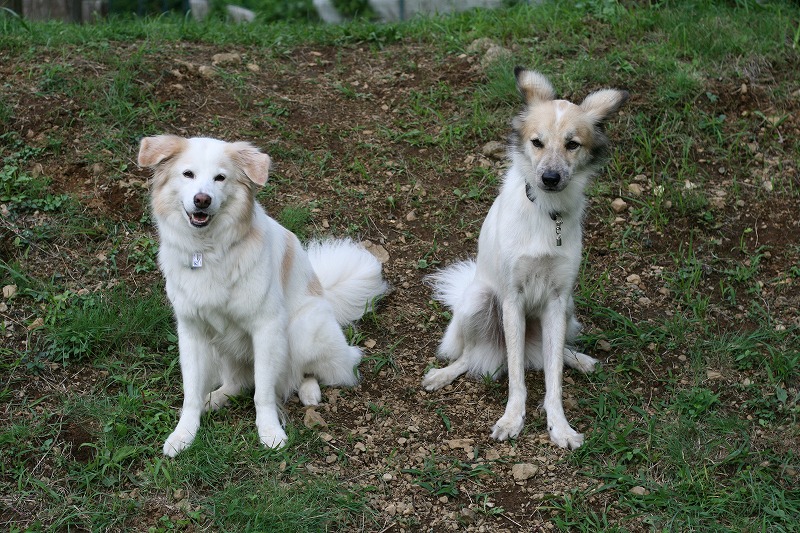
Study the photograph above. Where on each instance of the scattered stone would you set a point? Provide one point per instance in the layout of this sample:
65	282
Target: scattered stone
495	150
9	291
689	185
619	205
411	216
387	477
481	45
713	374
523	471
370	343
494	54
252	67
634	279
492	455
178	494
226	59
639	491
603	345
377	250
36	324
207	71
747	382
635	189
767	186
460	444
313	419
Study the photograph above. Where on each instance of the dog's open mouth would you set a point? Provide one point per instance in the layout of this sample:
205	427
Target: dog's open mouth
199	219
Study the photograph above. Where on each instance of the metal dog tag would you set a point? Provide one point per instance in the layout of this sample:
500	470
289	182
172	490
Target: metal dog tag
197	260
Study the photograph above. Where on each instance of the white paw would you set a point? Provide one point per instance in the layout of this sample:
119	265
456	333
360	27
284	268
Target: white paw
566	437
309	392
588	364
435	379
273	438
179	440
508	427
217	400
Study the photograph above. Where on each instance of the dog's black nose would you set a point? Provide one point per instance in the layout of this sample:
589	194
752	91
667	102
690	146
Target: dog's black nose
202	200
550	178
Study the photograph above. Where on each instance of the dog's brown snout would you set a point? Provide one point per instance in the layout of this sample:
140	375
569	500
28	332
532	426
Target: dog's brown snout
202	200
551	178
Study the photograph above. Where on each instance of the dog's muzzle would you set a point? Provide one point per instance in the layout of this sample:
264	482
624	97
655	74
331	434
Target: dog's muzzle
199	219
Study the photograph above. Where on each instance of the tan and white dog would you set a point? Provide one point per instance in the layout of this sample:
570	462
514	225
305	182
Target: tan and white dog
254	309
513	306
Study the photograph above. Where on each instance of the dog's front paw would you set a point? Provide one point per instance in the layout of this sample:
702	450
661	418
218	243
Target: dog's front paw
508	427
566	437
274	438
436	378
179	440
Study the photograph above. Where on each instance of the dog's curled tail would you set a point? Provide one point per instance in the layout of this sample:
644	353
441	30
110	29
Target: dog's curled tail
449	283
350	276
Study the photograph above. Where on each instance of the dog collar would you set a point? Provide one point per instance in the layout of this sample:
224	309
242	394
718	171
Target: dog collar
555	216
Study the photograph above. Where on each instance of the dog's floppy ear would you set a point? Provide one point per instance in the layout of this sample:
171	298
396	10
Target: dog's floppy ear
254	163
604	104
533	86
155	150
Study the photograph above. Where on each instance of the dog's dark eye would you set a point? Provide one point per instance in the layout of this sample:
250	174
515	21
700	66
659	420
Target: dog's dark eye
188	174
537	143
573	145
219	177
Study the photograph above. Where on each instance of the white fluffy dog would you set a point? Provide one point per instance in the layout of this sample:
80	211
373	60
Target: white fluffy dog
253	308
513	306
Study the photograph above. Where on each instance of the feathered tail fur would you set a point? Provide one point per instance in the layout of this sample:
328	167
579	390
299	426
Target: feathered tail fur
350	276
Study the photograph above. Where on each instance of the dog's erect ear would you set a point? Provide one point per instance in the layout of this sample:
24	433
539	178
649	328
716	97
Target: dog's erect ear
604	104
533	86
155	150
253	162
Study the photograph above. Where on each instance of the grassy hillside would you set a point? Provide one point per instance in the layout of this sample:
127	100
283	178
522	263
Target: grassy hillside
688	293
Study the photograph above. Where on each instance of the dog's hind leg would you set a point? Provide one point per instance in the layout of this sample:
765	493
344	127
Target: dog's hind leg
436	378
234	382
580	361
309	391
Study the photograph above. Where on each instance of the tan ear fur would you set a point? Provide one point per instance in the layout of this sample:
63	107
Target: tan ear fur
603	104
533	86
155	150
254	163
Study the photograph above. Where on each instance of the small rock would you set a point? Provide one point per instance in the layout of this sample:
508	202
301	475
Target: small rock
492	455
36	324
226	59
747	382
635	189
179	494
391	509
639	491
387	477
460	444
523	471
619	205
634	279
207	72
682	358
494	54
713	374
494	149
767	186
411	216
377	250
9	291
370	343
313	419
360	447
603	345
481	45
252	67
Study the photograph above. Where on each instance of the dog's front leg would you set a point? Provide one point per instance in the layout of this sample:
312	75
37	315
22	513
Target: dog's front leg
271	354
195	356
512	421
554	329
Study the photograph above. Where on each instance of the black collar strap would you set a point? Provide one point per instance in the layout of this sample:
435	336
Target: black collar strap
532	198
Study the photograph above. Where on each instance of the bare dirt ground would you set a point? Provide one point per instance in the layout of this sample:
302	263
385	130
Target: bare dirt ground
345	141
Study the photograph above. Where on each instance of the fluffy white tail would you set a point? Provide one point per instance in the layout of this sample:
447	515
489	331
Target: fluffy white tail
350	276
449	283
